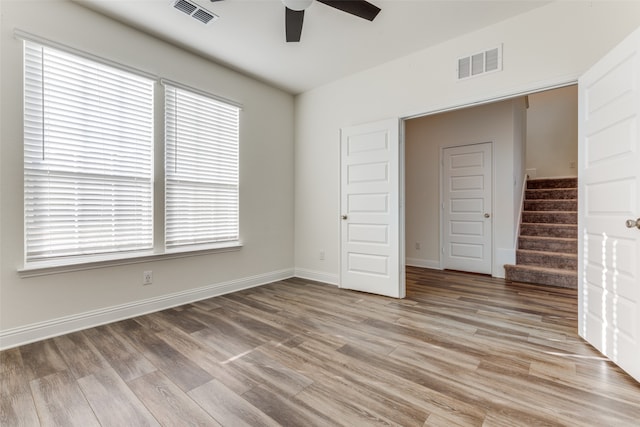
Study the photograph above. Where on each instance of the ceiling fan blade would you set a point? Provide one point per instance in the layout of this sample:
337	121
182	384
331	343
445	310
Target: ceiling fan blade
293	24
361	8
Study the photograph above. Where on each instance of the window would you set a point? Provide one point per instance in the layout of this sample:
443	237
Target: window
88	157
201	169
89	148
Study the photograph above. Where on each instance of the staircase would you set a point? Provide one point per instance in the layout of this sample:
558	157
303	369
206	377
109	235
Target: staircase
547	251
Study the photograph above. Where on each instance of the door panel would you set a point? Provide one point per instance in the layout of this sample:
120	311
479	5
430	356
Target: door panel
467	178
370	194
609	194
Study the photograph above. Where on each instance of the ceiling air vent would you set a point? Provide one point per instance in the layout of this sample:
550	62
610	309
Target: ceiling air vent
203	16
195	11
479	63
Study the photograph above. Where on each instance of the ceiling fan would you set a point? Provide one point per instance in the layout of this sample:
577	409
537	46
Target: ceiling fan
294	13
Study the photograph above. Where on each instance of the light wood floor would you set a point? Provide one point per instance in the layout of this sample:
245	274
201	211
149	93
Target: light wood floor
460	350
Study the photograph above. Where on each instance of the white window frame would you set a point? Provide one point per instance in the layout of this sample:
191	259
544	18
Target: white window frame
88	158
159	251
202	169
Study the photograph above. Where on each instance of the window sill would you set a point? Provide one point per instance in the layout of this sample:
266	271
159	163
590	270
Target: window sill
44	268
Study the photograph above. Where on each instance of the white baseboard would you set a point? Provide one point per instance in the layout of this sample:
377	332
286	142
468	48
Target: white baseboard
424	263
64	325
318	276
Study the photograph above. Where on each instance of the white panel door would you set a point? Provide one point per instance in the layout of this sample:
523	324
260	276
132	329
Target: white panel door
370	195
466	208
609	195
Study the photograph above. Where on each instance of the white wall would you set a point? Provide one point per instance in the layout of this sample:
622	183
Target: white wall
520	124
30	307
552	132
425	137
550	45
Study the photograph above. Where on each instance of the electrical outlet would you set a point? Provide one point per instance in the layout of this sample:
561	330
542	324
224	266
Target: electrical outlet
147	277
321	255
572	164
418	246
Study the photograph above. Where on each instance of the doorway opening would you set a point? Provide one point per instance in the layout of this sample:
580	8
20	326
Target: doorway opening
534	134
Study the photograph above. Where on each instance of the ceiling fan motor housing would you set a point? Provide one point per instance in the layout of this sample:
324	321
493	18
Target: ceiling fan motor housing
297	4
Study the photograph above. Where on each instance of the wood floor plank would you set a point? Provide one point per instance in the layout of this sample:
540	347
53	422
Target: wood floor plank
459	350
393	409
376	379
274	319
450	386
168	403
439	420
14	378
237	339
262	329
150	322
42	358
249	301
18	410
186	374
175	318
10	360
60	402
227	407
287	411
436	359
17	407
318	360
343	411
113	402
207	304
128	362
80	354
263	369
206	356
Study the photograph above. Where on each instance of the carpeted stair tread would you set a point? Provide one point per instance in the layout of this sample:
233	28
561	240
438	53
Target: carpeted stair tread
551	217
551	193
547	252
549	230
543	205
542	276
548	244
557	260
569	182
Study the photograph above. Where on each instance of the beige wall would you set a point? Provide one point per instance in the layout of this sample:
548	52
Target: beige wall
425	138
53	303
552	132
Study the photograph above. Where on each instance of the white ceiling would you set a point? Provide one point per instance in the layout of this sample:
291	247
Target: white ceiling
249	35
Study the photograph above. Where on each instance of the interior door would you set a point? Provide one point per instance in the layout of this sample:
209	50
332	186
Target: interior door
370	204
609	196
466	208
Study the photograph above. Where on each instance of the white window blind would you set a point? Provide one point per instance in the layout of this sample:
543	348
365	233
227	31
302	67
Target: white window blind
201	169
88	156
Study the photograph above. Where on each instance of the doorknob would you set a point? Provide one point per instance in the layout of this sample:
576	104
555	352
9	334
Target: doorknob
344	217
631	223
487	215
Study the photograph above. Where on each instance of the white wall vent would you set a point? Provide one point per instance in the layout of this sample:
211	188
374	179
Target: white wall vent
195	11
479	63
